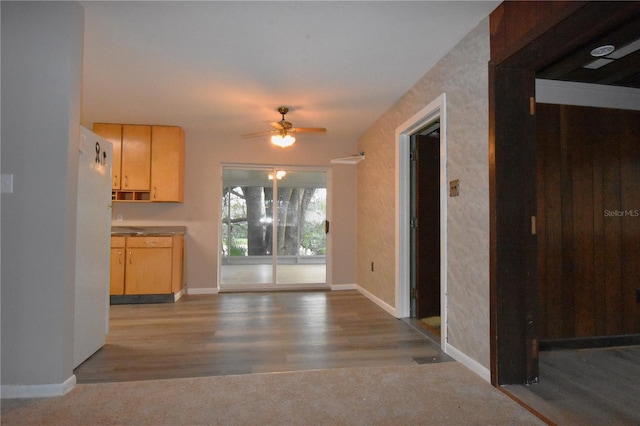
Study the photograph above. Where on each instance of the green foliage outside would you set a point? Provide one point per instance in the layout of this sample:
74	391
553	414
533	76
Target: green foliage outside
235	233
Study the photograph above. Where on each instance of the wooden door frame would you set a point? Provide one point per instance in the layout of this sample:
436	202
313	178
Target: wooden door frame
512	180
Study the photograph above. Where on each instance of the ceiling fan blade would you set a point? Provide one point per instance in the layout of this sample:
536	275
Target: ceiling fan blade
308	130
284	127
256	134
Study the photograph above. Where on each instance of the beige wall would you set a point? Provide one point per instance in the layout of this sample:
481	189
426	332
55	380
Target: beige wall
200	211
463	75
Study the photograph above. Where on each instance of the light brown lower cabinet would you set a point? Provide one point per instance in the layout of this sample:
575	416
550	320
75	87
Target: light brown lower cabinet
117	266
146	265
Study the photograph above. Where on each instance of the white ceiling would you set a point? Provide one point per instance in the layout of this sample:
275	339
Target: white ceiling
224	67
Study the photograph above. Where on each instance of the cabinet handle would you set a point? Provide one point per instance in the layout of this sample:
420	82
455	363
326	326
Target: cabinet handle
126	180
115	180
155	192
151	243
130	258
119	257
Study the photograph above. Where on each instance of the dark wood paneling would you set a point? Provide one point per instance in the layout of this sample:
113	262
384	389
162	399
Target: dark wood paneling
497	36
587	254
611	239
514	24
551	299
581	228
513	247
629	136
559	29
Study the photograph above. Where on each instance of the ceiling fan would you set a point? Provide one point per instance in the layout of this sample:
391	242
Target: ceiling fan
281	131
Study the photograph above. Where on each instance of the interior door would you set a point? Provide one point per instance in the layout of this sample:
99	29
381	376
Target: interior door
426	225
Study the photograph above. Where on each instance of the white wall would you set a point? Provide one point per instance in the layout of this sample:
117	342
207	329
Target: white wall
41	83
463	75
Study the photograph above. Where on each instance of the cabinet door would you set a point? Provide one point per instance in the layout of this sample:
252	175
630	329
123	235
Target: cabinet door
112	133
167	164
148	271
136	158
117	271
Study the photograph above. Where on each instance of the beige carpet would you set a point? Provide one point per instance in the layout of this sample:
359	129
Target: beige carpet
431	394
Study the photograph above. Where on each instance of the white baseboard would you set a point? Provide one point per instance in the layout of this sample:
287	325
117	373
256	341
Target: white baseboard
342	287
468	362
38	391
384	305
194	291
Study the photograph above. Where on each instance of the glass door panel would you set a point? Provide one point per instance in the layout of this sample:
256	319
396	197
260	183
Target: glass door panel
247	231
301	238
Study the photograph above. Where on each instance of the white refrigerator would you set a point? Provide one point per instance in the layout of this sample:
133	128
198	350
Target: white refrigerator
93	229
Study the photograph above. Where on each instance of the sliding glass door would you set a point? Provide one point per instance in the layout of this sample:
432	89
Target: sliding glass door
247	218
301	239
273	228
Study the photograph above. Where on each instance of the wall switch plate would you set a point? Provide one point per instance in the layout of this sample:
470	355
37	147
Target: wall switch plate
454	188
7	184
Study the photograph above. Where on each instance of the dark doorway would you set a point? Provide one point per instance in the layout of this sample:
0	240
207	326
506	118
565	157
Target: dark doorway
425	226
526	38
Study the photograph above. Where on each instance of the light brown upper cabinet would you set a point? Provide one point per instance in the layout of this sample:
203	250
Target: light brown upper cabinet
148	162
167	163
136	158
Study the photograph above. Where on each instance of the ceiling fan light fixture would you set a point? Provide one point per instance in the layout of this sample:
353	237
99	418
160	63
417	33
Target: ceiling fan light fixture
281	132
283	141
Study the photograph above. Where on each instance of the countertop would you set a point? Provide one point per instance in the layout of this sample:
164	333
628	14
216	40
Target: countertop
148	230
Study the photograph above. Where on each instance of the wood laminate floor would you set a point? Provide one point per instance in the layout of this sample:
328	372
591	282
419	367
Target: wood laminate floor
242	333
586	387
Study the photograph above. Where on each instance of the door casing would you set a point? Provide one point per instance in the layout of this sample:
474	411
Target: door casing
434	111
